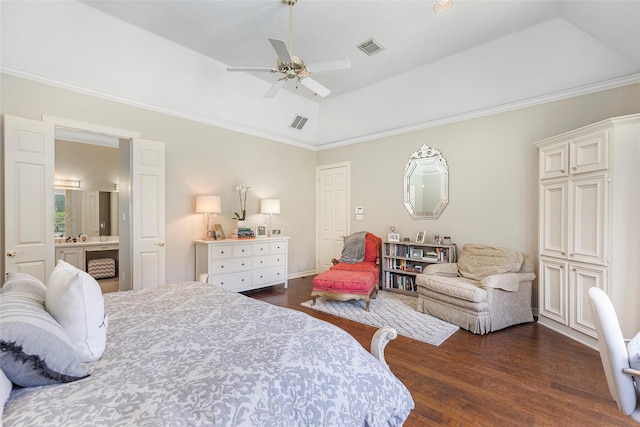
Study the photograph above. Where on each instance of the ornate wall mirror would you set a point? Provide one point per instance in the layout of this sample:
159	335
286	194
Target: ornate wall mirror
426	183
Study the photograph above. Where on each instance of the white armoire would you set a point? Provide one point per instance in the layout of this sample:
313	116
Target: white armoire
589	226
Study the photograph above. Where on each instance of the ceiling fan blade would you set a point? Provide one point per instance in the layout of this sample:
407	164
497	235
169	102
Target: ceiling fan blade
335	64
271	70
314	86
275	88
281	49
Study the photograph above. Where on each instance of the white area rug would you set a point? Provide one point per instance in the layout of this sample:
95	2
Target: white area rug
390	309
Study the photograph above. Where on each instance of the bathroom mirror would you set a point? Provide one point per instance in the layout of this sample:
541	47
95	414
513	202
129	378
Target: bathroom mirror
426	183
94	213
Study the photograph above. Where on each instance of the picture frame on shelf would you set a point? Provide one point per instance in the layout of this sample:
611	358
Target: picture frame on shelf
416	253
276	232
261	230
218	232
393	237
420	236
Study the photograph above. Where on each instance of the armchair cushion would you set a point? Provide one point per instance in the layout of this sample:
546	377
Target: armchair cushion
457	287
479	261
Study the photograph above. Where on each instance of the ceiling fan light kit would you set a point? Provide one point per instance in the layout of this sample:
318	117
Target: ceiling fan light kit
293	67
443	6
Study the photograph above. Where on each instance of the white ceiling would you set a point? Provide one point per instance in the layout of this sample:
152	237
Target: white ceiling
479	56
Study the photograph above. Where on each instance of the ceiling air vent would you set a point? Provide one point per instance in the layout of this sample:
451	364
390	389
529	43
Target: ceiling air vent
371	47
298	122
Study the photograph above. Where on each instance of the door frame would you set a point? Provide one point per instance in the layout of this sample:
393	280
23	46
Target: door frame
104	135
347	204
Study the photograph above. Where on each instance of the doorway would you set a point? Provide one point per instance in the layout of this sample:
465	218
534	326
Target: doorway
87	199
29	200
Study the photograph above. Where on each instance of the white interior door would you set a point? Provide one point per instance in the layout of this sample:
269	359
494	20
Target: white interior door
332	221
148	213
28	196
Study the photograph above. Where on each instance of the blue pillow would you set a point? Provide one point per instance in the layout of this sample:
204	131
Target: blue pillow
34	349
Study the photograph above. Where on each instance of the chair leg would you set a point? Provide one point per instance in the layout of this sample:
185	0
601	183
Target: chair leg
374	292
366	305
313	300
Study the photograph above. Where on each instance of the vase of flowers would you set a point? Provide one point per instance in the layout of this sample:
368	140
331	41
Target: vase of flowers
242	196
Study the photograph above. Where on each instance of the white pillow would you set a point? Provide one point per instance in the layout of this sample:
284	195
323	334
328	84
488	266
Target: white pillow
5	391
75	300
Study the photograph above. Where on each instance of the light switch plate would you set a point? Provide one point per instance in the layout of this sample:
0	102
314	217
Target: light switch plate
359	210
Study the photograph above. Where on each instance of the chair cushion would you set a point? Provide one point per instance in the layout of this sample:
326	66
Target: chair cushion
346	281
479	261
457	287
370	267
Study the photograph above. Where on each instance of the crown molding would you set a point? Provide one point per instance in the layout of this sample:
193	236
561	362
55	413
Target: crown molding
543	99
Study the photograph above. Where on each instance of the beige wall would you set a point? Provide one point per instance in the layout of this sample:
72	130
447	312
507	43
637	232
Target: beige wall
492	165
492	170
200	159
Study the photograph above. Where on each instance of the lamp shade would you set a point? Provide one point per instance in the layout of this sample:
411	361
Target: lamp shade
270	206
208	204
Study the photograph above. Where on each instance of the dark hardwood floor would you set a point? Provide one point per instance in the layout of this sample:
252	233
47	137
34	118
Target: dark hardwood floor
526	375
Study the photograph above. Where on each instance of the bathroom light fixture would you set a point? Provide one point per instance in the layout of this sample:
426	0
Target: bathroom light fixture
67	183
443	5
270	207
208	205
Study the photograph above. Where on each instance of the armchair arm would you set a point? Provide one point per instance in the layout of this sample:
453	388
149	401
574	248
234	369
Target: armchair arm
508	281
449	269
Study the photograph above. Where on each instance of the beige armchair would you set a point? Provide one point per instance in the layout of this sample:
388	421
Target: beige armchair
488	289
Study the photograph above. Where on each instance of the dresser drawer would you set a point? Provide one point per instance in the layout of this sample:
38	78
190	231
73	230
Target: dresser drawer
278	247
242	251
234	282
260	249
221	252
268	275
268	261
230	265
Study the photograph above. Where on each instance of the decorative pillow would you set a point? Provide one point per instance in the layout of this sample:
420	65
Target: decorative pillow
371	250
633	348
5	391
479	261
34	349
75	300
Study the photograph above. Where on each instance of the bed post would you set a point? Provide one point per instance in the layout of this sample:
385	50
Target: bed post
380	340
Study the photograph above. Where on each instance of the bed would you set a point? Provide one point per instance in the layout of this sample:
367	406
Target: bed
195	354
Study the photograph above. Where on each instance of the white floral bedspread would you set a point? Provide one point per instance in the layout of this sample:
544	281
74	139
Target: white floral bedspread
190	354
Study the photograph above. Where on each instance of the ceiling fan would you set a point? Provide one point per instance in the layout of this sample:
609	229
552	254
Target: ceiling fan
293	67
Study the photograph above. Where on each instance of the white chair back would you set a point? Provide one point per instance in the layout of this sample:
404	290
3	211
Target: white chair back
613	353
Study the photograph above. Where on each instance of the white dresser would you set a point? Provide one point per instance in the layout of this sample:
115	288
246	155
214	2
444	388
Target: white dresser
589	210
242	265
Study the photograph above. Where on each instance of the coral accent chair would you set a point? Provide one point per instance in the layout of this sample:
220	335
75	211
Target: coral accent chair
489	288
621	362
347	281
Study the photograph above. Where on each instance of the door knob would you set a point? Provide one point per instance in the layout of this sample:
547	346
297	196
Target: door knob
12	253
161	244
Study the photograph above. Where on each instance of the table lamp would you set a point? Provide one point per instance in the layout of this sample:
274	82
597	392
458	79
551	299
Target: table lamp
270	207
208	205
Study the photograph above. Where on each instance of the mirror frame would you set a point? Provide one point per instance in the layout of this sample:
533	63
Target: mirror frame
426	156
